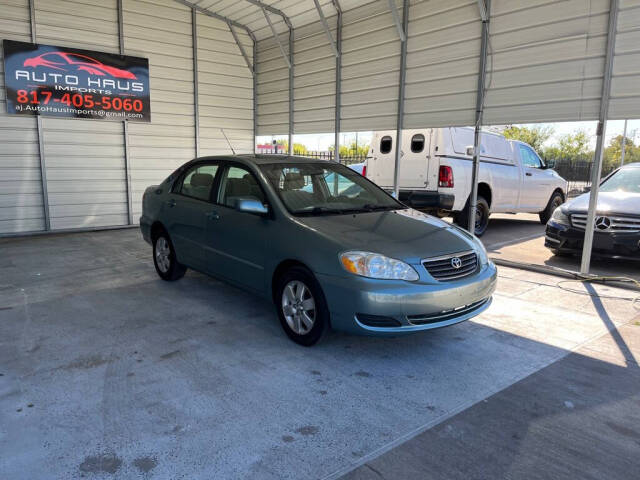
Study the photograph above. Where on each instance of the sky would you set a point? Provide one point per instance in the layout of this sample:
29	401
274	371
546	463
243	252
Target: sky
322	141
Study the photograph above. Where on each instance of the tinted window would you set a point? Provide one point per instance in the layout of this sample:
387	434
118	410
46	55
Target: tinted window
529	157
198	181
386	144
239	184
417	143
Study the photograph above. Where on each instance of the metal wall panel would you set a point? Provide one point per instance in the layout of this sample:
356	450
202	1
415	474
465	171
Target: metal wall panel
21	207
225	88
161	31
272	102
83	157
625	83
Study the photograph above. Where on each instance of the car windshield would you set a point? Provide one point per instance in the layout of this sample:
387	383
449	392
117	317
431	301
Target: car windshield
624	180
326	189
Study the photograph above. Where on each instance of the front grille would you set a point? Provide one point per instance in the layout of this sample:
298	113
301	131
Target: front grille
442	268
445	314
618	223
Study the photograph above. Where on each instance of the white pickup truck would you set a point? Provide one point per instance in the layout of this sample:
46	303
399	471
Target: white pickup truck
435	174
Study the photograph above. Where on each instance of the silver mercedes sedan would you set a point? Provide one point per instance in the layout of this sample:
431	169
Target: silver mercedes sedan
327	246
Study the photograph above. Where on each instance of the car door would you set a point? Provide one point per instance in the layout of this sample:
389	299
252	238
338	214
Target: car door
536	181
235	241
185	209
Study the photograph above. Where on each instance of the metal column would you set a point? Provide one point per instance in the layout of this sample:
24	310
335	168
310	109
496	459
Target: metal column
196	108
291	90
255	92
125	124
485	13
401	88
624	144
43	163
338	107
602	127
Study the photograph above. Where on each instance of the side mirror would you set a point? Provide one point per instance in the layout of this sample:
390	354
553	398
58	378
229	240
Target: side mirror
249	205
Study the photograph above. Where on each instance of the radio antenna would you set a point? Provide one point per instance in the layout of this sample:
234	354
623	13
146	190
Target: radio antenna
225	137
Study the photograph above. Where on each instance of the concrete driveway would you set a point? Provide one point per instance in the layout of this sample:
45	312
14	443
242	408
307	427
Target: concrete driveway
109	372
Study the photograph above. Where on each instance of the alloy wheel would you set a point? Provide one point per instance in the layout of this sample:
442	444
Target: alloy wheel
163	254
298	307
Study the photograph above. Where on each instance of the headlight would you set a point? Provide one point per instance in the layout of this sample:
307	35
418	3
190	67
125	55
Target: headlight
483	258
374	265
560	217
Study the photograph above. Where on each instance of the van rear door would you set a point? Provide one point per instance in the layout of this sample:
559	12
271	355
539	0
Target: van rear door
418	169
381	164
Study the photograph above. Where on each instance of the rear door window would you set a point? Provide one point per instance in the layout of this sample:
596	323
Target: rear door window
198	182
386	144
417	143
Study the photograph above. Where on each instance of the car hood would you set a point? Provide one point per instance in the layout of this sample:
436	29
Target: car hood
406	235
614	202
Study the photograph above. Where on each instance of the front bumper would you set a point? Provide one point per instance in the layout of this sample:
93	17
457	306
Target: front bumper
423	199
567	239
406	306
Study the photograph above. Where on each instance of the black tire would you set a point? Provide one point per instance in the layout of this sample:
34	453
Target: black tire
482	217
291	278
555	201
171	270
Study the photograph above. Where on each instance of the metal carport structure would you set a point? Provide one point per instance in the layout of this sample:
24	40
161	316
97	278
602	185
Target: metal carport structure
306	66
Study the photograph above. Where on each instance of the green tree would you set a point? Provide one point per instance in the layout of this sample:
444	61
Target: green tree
353	149
613	153
571	146
534	136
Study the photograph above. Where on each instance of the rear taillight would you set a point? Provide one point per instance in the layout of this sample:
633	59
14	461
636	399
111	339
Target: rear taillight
364	171
445	177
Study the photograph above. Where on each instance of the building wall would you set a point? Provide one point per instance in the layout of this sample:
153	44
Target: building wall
86	174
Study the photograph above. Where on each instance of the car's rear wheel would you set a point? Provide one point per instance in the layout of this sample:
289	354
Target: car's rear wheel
554	202
164	258
301	305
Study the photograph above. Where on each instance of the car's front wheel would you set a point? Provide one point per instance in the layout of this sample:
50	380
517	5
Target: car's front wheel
554	202
164	258
301	305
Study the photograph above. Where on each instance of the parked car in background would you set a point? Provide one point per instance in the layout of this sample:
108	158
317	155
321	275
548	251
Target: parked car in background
436	168
617	225
329	247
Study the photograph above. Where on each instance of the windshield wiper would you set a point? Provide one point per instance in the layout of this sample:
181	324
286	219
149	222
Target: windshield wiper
319	211
370	207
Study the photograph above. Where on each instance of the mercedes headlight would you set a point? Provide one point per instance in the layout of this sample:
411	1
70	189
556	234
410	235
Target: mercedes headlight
374	265
560	217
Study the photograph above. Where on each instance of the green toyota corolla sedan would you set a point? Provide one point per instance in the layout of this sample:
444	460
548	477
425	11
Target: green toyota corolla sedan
330	248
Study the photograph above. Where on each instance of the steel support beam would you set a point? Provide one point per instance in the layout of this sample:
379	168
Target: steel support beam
596	171
196	98
277	38
255	94
338	81
125	125
327	30
401	89
624	144
216	15
402	28
240	46
43	163
291	119
482	75
484	13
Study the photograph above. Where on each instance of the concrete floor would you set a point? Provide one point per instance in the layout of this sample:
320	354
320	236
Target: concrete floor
108	372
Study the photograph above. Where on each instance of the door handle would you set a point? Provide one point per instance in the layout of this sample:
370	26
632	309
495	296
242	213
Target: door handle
528	174
212	215
171	203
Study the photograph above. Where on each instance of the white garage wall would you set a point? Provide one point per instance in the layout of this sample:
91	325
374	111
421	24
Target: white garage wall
21	205
625	84
225	88
272	102
84	158
161	31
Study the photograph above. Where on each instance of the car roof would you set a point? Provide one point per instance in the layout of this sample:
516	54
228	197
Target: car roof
261	159
631	165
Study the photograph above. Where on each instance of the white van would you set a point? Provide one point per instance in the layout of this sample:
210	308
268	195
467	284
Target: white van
435	174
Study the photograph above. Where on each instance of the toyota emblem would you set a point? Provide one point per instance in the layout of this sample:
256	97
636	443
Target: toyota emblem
603	223
456	263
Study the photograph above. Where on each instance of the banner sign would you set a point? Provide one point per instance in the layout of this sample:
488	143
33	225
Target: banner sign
68	82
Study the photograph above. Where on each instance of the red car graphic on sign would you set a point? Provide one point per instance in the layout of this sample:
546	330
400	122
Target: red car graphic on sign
76	62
